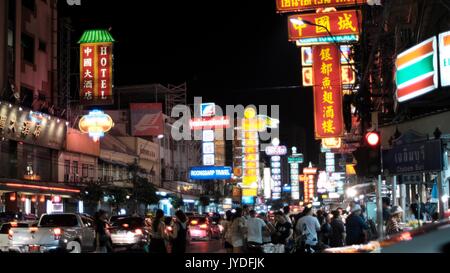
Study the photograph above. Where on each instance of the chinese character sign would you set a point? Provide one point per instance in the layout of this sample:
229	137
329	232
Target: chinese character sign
96	73
302	5
319	24
327	92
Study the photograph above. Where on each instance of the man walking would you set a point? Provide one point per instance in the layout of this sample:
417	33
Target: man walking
255	229
356	227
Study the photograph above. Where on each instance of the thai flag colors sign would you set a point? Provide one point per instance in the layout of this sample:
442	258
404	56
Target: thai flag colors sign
329	120
416	72
96	73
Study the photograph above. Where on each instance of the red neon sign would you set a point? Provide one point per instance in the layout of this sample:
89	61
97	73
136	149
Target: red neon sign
209	123
338	23
41	188
302	5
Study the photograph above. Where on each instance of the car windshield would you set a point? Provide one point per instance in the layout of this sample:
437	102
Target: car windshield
62	220
128	222
197	220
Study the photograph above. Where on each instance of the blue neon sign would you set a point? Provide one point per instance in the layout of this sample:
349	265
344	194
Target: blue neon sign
210	173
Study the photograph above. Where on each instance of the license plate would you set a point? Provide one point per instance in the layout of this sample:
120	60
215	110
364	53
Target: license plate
34	249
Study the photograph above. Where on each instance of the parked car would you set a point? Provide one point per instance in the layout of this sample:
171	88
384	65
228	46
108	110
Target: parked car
201	228
68	232
129	233
4	232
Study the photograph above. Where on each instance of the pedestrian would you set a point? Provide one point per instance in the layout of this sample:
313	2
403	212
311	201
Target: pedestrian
238	231
386	209
393	224
282	229
267	234
287	211
158	234
356	228
337	236
226	224
325	230
255	229
179	233
320	217
246	212
308	226
102	235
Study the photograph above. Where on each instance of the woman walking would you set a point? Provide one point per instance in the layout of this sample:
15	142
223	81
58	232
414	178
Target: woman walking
179	233
238	231
226	223
157	242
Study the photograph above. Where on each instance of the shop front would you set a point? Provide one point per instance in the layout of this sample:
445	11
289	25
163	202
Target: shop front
30	143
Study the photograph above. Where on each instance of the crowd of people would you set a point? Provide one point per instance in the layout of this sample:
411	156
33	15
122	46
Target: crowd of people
245	230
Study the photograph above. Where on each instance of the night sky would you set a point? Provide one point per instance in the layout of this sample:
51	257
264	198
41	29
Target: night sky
228	52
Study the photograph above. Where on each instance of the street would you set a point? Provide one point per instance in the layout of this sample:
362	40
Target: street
213	246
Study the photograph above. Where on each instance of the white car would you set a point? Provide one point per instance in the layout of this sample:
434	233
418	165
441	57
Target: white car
68	232
5	233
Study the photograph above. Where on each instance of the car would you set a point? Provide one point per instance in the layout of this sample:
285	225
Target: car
430	238
68	232
129	233
201	228
4	232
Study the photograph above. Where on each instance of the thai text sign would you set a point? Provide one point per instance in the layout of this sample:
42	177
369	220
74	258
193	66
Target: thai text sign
209	123
329	120
302	5
96	73
412	158
337	23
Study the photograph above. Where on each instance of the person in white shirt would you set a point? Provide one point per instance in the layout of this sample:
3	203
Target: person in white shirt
255	229
308	226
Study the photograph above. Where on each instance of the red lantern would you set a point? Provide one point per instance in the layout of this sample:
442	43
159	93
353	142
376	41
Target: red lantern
33	199
12	197
23	199
42	199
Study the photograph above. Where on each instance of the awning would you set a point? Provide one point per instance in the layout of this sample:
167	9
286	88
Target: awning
37	188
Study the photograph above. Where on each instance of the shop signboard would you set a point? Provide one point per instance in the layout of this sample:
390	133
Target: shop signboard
426	156
31	127
305	5
444	58
207	109
276	150
209	123
344	26
210	173
147	119
328	112
96	67
416	70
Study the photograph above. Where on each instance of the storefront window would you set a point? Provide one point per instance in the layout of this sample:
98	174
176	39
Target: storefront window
66	167
75	168
84	170
91	171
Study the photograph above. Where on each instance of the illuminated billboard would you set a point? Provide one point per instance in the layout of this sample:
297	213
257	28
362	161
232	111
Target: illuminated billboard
304	5
96	67
210	173
344	26
416	72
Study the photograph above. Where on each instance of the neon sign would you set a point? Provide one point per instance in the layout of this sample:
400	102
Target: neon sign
96	124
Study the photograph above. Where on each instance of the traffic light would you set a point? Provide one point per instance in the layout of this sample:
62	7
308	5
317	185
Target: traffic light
368	156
